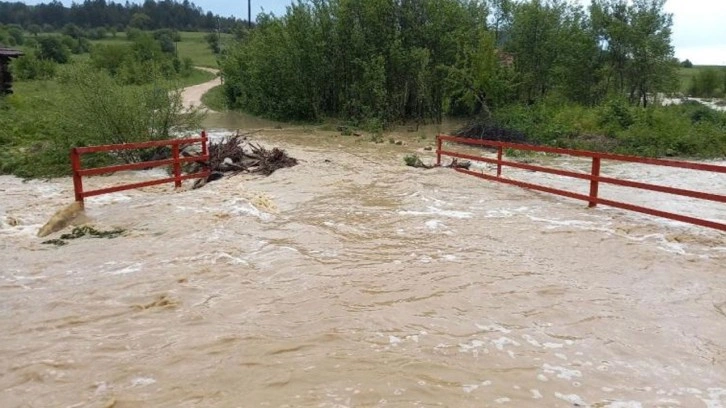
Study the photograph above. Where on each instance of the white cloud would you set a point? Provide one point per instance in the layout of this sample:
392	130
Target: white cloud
699	30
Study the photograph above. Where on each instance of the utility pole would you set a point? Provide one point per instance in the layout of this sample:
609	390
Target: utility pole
249	14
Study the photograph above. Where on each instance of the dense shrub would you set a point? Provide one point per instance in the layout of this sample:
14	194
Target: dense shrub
709	83
31	67
690	129
142	62
84	107
51	48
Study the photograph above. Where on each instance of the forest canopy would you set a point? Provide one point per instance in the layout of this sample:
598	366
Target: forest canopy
391	60
150	15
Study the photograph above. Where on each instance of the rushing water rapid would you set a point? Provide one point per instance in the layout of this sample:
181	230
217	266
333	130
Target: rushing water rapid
353	281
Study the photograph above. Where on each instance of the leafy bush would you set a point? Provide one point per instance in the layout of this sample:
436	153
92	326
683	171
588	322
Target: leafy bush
690	129
16	34
616	115
96	33
709	83
109	112
143	62
30	67
51	48
110	57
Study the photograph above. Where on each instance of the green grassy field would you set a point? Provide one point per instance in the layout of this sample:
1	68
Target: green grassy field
214	99
686	75
193	45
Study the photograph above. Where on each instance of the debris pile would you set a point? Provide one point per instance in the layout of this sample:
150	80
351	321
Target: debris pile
236	155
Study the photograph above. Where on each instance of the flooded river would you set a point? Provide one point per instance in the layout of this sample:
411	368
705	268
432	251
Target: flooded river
354	281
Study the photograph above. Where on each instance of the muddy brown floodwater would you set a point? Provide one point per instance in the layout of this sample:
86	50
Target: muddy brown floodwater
353	281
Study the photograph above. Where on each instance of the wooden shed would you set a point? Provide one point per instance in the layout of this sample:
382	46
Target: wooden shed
6	79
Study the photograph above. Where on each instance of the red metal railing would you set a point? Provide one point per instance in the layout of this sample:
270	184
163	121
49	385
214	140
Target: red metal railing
175	161
594	177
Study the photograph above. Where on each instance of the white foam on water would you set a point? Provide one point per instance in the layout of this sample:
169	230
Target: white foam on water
492	328
501	342
536	394
110	198
468	388
243	207
571	398
502	400
433	225
133	268
561	372
552	345
227	259
625	404
438	211
29	230
531	340
584	225
475	347
49	191
716	398
142	381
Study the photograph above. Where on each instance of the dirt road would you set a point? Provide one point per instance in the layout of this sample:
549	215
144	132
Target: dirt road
192	96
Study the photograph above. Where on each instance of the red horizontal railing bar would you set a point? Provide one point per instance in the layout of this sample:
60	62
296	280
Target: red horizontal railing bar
611	203
138	166
140	145
143	184
608	180
585	153
524	166
175	162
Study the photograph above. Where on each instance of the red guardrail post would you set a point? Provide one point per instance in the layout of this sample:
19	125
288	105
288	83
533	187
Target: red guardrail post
500	151
204	142
177	166
594	181
438	150
77	181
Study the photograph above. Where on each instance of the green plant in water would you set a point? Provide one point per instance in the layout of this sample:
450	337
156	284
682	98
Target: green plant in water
413	160
79	232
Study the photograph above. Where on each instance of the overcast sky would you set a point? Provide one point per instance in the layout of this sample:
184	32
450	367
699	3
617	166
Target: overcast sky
699	26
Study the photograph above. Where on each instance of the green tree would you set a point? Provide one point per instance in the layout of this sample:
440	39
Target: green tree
708	83
73	31
34	29
140	21
638	46
52	48
213	42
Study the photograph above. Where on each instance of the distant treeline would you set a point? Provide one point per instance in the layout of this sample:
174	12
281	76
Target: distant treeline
100	13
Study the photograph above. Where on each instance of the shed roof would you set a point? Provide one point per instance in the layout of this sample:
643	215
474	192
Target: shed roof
10	53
